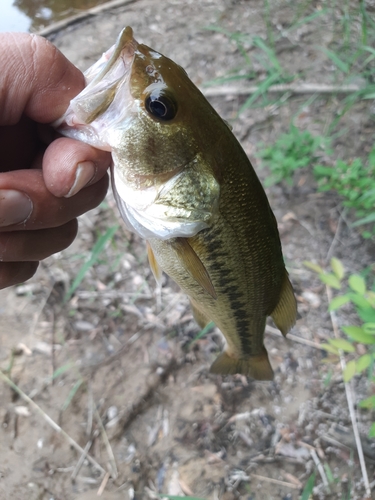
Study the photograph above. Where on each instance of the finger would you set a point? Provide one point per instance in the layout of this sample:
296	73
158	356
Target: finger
36	245
12	273
26	203
70	165
35	79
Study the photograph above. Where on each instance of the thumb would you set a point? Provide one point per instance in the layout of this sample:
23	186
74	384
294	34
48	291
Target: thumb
36	79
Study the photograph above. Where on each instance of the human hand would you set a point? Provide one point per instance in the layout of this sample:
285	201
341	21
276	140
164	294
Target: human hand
45	184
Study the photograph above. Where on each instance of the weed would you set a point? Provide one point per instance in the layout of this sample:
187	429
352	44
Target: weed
354	181
307	490
273	72
94	255
362	298
294	150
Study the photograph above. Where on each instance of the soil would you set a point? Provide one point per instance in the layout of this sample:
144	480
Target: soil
116	367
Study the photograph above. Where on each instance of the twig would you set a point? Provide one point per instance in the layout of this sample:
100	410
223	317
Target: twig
349	398
320	468
78	466
51	422
294	88
103	485
64	23
336	236
112	460
295	338
275	481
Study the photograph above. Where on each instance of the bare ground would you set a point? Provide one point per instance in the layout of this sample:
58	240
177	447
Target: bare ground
128	385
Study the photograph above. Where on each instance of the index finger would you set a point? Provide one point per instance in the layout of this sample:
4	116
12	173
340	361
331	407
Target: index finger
35	79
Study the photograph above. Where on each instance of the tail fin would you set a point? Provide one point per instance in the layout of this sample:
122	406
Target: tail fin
257	367
285	313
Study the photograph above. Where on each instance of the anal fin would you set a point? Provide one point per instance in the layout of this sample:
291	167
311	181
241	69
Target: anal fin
194	265
285	313
200	317
257	367
155	268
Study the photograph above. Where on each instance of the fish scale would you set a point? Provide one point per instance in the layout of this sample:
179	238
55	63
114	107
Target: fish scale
182	181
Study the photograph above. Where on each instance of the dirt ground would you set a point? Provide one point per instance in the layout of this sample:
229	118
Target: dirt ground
127	384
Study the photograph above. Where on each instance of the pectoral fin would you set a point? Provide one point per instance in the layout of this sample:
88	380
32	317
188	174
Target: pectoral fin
257	367
285	313
155	268
194	265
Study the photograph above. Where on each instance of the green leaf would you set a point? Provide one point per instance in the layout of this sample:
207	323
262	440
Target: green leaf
369	328
349	371
357	284
313	266
365	220
342	344
356	333
330	280
363	363
360	301
337	268
338	301
330	348
371	433
366	314
307	490
368	403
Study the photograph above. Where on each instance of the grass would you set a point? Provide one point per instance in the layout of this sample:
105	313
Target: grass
292	151
354	290
351	54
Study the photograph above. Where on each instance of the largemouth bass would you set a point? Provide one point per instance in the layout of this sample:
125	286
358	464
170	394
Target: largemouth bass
183	182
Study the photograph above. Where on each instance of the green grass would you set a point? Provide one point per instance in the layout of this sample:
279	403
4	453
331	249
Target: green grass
91	260
353	290
354	182
292	151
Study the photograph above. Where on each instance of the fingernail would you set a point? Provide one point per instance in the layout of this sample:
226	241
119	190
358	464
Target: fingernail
84	174
15	207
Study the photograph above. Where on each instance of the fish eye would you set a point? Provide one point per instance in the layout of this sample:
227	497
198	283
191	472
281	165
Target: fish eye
160	106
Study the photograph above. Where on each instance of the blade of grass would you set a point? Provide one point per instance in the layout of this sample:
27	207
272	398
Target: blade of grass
72	393
339	63
307	490
262	89
96	251
202	333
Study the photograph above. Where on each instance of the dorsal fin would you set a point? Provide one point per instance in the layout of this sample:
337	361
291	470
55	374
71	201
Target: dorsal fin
194	265
285	313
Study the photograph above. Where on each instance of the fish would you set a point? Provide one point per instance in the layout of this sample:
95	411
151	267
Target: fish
182	182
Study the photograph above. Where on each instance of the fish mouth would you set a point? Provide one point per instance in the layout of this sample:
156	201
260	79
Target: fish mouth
122	51
107	84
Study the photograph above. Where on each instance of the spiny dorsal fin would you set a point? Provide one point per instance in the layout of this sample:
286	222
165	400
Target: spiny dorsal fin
194	265
285	313
155	268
